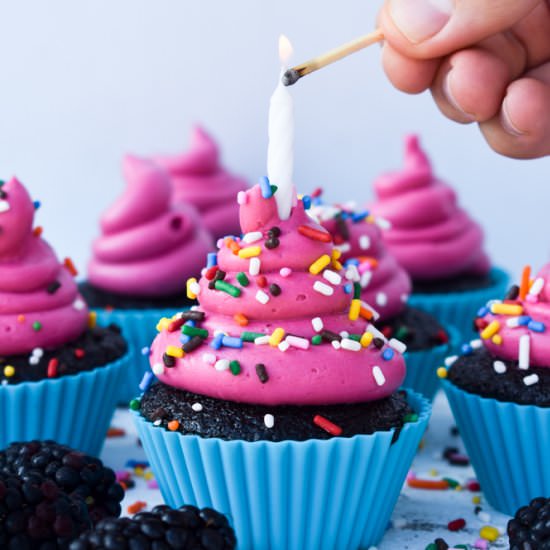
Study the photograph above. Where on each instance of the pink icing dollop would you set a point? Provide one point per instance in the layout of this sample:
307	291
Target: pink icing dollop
148	246
199	178
531	322
430	235
280	296
40	306
385	285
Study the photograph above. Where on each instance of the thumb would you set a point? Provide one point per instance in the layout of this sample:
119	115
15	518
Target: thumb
434	28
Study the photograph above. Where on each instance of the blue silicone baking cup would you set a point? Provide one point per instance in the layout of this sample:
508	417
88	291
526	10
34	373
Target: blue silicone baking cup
74	410
422	365
306	495
508	445
460	308
139	330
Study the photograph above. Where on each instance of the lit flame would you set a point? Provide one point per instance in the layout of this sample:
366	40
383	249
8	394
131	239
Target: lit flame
285	50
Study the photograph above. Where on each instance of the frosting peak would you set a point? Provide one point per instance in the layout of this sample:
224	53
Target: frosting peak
199	178
430	235
39	301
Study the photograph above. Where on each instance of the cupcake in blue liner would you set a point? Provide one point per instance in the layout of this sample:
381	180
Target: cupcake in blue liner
436	241
499	392
374	276
59	371
140	263
277	401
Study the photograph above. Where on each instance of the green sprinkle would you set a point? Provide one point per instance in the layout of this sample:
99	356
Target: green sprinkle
273	189
243	279
356	337
452	482
356	291
413	417
431	546
316	340
135	404
2	182
250	336
232	290
401	333
37	325
235	367
461	546
194	331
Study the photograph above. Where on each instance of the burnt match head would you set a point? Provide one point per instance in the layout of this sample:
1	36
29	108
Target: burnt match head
290	77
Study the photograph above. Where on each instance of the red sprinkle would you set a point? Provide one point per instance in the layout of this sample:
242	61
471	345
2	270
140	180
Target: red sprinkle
210	273
115	432
327	425
261	281
136	507
480	323
37	231
456	524
175	325
79	353
473	486
430	484
442	336
317	192
70	267
52	367
314	234
387	331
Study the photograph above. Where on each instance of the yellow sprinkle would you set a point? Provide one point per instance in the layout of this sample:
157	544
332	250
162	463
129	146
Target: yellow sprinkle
9	371
92	319
190	283
476	499
319	264
458	488
366	339
490	330
174	351
370	218
354	310
250	252
434	472
148	476
336	254
497	339
488	532
337	266
507	309
441	372
276	337
139	471
163	324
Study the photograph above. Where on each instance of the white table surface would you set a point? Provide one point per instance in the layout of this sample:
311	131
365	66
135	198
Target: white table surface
419	517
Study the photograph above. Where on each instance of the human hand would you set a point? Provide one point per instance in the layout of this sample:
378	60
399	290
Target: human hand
484	60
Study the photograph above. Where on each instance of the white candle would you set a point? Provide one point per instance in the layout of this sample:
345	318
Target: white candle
280	157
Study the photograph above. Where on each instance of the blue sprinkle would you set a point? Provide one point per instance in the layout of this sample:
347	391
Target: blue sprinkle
211	259
387	354
217	341
352	261
536	326
232	342
524	320
482	311
466	349
317	201
348	287
191	323
359	216
146	381
184	338
265	187
37	205
306	201
133	463
145	350
345	215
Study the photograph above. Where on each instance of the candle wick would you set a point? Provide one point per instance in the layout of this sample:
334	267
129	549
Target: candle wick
290	77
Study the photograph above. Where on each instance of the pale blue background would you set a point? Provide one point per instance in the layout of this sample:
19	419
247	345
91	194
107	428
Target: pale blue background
81	83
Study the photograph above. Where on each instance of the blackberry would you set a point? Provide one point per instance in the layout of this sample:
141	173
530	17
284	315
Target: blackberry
36	515
529	529
161	529
75	473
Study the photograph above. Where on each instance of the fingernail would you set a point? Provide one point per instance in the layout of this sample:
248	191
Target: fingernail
447	89
419	20
506	121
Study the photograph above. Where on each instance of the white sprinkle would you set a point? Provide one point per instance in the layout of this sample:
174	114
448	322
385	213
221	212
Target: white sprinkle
484	517
364	242
254	266
317	324
252	237
343	248
382	223
269	421
397	345
351	345
332	277
285	271
283	346
531	379
381	299
375	314
500	367
222	364
79	304
4	206
157	422
524	351
37	352
262	297
197	407
157	368
34	360
209	358
194	308
195	288
262	340
379	377
536	287
450	360
323	289
242	197
218	331
335	344
404	297
365	279
352	274
512	322
219	243
297	342
375	332
476	344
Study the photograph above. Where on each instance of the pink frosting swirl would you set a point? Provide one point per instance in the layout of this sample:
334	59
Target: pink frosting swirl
503	324
385	285
283	295
199	179
39	302
430	236
148	246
